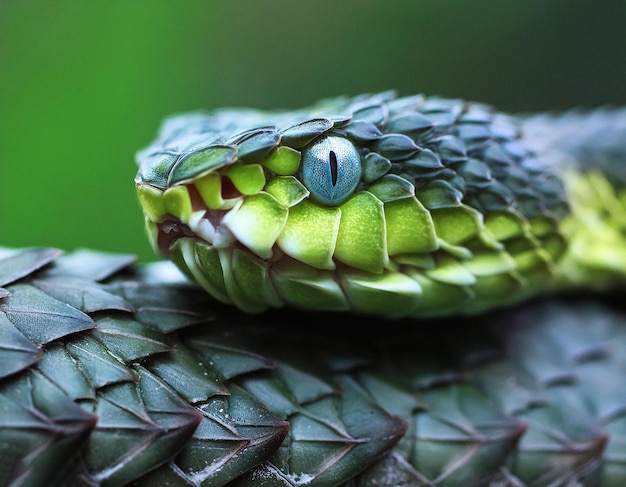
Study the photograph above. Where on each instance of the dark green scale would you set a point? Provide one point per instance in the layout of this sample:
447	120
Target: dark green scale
115	374
377	204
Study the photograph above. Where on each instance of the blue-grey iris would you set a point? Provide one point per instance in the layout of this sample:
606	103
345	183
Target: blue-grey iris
331	169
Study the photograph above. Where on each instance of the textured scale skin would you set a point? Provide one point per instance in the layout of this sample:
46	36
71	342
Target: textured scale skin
457	210
113	373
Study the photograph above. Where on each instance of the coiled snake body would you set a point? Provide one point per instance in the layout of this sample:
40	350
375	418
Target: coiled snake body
386	205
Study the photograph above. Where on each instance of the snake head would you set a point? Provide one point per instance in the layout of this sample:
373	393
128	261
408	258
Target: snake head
379	204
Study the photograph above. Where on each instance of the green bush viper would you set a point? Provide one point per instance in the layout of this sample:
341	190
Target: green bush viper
116	373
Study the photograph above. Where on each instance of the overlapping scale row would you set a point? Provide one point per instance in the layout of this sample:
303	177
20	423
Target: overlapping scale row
452	213
97	387
114	374
365	256
533	396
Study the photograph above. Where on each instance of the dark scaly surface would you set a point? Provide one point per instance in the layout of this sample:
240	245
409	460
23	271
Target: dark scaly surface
96	387
594	138
137	378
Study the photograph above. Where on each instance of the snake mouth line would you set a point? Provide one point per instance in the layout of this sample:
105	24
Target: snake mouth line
204	223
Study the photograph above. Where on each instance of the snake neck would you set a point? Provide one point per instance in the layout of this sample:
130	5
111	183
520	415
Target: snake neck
590	148
596	232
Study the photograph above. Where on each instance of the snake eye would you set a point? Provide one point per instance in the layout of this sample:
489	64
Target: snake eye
331	170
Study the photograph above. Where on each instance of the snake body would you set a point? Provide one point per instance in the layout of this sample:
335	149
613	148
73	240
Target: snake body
393	206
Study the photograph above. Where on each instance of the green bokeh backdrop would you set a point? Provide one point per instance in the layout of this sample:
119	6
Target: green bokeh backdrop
84	84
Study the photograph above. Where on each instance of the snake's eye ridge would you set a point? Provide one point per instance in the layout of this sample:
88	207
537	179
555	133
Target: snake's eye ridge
331	170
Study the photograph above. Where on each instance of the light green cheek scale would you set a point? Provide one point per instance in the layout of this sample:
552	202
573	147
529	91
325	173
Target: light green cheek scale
454	216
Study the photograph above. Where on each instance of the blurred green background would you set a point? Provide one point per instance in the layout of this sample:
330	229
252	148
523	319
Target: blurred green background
84	84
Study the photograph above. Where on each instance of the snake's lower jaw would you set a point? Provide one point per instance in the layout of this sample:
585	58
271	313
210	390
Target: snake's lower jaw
241	256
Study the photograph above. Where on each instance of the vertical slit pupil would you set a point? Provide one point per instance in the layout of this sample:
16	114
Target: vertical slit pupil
332	160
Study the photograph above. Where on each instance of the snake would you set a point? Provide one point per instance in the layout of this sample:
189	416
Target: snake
368	207
386	205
